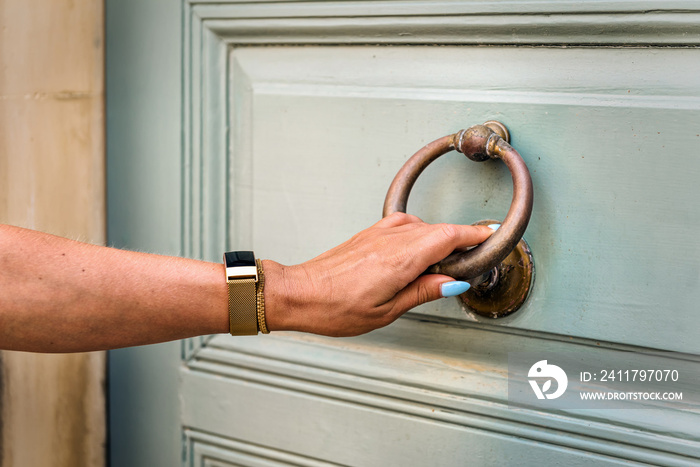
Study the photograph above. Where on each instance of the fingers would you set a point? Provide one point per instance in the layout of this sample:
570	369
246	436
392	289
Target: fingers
412	245
457	236
435	242
424	289
462	236
396	219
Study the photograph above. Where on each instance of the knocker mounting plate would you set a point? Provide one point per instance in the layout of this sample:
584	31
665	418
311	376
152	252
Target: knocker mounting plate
506	286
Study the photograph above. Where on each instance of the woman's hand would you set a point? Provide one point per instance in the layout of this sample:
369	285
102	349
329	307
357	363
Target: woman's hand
368	281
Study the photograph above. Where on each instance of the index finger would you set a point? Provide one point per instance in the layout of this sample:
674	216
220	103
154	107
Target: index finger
437	241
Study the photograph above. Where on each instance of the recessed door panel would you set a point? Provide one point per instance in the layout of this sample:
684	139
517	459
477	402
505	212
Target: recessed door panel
611	227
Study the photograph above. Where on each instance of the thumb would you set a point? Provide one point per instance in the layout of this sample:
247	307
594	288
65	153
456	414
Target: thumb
425	289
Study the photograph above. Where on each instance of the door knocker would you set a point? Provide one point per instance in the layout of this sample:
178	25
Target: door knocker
501	269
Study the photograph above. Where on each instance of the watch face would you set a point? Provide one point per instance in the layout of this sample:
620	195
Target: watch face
235	259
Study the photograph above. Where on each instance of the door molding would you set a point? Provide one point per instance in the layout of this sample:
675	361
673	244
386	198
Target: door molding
363	371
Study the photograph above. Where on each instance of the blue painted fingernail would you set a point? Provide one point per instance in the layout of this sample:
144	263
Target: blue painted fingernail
494	227
450	289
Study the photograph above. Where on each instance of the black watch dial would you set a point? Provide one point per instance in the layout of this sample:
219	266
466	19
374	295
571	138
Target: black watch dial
235	259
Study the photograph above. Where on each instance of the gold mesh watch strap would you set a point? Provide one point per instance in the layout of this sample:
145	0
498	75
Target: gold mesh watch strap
262	324
243	319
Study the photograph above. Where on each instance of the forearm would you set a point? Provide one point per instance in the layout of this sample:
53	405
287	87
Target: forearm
68	296
58	295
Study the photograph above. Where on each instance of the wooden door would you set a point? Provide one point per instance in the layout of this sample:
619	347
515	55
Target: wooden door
279	126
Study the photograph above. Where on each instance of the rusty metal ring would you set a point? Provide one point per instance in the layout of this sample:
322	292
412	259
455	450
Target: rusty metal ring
478	143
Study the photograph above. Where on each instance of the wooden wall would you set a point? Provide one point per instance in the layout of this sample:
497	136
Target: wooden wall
52	179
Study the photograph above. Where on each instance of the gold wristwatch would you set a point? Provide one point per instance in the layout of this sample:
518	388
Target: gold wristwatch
242	278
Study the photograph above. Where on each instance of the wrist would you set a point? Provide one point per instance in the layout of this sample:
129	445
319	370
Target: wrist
283	296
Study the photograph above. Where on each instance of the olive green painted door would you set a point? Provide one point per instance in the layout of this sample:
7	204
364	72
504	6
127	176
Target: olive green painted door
278	126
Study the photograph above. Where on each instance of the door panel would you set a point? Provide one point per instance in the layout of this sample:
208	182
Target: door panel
288	149
326	144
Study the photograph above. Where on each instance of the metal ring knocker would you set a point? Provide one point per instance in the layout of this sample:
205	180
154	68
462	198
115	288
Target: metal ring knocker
501	270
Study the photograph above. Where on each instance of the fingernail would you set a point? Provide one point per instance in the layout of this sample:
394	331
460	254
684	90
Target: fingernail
494	227
450	289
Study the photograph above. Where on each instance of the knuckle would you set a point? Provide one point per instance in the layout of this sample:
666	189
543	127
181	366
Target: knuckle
422	294
449	231
400	217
